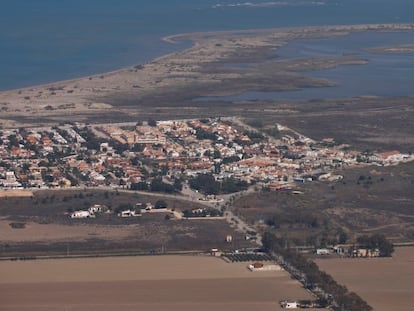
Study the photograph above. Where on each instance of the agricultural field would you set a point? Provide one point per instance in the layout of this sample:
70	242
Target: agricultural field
143	283
385	283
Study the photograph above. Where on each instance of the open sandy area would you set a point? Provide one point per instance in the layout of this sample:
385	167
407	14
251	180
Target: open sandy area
56	232
142	283
15	193
385	283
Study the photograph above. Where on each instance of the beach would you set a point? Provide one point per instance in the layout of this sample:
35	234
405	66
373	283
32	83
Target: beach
149	282
169	80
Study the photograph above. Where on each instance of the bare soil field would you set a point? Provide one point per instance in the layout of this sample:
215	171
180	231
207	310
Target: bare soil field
142	283
385	283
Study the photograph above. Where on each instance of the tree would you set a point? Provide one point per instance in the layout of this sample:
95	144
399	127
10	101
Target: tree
178	185
158	185
230	185
138	147
164	170
256	123
203	134
161	204
274	131
140	186
152	122
343	237
205	183
13	142
377	241
231	159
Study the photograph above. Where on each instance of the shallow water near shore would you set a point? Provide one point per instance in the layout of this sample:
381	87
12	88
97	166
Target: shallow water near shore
45	41
385	74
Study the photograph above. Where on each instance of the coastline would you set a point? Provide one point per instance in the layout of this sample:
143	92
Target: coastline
86	96
198	37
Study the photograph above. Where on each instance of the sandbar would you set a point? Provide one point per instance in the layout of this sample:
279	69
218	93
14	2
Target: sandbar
174	77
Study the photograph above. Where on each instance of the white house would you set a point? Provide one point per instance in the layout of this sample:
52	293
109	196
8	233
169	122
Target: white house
128	213
289	304
80	214
322	251
96	209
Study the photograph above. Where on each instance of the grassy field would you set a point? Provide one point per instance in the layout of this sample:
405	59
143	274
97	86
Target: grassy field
385	283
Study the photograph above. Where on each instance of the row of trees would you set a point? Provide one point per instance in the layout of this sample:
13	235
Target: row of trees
157	185
377	241
309	274
202	213
207	184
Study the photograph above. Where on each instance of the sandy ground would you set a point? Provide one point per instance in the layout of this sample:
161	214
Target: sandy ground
385	283
142	283
86	96
15	193
54	232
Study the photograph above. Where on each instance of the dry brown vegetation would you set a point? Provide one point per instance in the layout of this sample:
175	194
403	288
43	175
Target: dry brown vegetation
368	200
48	230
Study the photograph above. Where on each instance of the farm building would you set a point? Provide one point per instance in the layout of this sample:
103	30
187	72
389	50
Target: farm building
322	251
289	304
80	214
96	208
215	252
128	213
258	266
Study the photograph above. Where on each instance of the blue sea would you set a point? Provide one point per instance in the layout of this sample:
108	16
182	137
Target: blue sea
48	40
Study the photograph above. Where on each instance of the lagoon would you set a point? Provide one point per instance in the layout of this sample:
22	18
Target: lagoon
385	74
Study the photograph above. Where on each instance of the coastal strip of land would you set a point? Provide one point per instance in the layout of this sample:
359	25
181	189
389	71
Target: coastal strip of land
175	79
397	49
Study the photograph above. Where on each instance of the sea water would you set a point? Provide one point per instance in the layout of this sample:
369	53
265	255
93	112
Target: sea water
385	74
47	40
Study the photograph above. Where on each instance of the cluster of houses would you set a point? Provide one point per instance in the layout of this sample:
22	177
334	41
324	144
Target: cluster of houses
97	209
91	212
123	211
91	156
349	251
